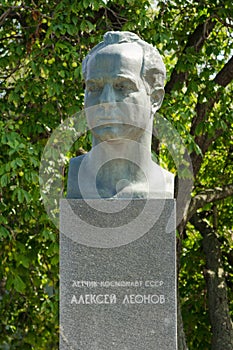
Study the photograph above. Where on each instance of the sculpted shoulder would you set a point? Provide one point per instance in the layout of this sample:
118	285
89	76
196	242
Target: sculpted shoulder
72	186
162	182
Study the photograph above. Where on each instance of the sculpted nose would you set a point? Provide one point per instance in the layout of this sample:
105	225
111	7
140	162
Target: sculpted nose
107	94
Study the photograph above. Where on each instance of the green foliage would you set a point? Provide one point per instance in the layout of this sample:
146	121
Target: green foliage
194	292
42	45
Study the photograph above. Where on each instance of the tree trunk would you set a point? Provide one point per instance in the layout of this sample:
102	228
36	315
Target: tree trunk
221	323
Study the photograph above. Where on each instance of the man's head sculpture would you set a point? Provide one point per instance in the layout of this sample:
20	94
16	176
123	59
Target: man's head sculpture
153	71
124	79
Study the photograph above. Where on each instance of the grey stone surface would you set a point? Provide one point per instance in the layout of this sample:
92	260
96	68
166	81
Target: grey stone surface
124	297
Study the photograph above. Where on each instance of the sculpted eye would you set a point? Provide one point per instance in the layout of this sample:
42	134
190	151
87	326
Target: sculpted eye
121	86
125	86
93	87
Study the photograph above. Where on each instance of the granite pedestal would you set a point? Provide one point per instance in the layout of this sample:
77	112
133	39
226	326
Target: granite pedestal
118	294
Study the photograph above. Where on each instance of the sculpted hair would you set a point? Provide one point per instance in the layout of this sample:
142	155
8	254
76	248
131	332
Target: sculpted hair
153	70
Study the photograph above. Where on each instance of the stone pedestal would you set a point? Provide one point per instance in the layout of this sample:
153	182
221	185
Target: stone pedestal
117	293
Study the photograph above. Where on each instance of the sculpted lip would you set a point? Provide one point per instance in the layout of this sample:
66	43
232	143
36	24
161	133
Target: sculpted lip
106	124
114	141
109	121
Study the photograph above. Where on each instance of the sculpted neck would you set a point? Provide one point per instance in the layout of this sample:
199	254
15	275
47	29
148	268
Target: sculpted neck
121	163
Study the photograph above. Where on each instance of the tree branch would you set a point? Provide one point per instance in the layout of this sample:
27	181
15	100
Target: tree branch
4	16
203	141
4	78
225	76
208	196
196	41
229	25
11	12
202	198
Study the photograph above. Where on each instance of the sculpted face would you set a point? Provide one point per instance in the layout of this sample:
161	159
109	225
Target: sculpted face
116	99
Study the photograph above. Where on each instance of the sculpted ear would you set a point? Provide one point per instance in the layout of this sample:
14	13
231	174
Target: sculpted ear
157	96
155	81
